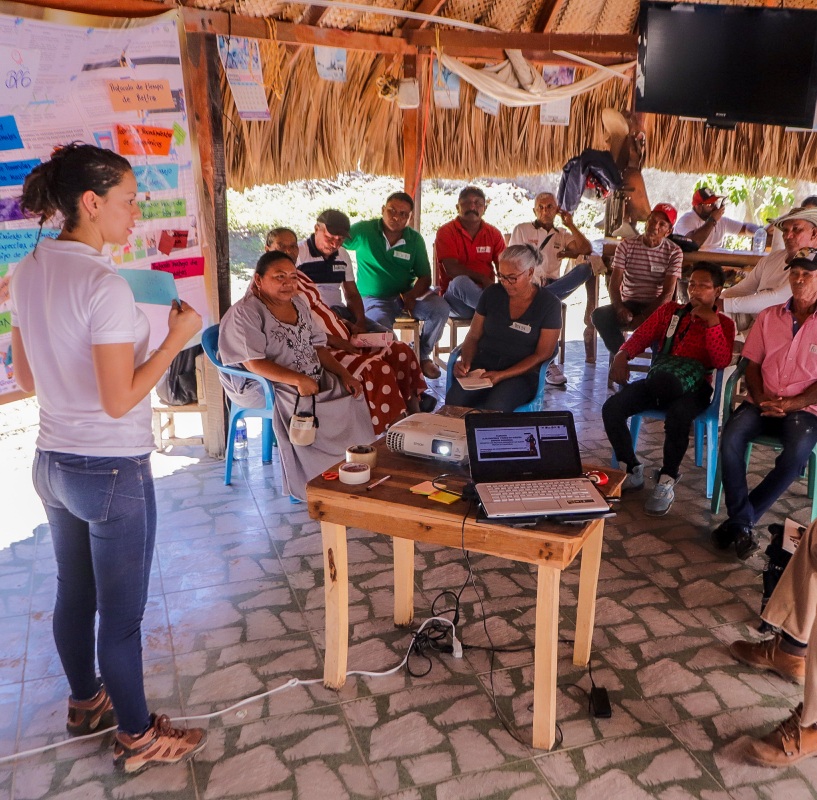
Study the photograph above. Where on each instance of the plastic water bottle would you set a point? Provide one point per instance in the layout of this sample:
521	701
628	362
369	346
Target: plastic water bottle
759	241
240	446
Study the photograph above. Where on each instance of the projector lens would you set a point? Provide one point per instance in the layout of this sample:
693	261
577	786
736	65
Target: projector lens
440	447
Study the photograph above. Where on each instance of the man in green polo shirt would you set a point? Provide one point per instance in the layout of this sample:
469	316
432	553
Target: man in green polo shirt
394	276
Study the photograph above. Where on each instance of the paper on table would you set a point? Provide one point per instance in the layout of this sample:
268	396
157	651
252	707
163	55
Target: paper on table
474	380
151	286
373	339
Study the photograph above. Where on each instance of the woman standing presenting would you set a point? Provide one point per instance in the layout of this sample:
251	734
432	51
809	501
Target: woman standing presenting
80	342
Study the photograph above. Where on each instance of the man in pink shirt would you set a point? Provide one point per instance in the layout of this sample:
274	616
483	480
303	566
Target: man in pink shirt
468	251
781	377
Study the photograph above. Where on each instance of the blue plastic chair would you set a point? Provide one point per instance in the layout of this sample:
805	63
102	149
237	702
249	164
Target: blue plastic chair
769	441
538	401
209	341
705	430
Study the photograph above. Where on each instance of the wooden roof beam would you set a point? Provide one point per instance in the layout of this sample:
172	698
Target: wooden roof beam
112	8
313	15
424	7
202	21
487	44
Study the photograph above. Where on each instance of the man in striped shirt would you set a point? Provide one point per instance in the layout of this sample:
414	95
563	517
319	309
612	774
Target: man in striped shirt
646	269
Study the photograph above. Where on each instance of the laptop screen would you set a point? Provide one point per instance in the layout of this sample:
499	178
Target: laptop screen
531	446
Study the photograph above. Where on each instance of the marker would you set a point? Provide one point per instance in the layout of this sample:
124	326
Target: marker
377	483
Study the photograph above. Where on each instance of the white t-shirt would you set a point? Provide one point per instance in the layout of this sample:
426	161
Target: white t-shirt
66	296
691	222
765	285
557	239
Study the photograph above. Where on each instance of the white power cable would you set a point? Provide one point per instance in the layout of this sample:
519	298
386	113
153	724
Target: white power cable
290	684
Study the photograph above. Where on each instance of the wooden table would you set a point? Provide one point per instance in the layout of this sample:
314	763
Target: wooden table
391	509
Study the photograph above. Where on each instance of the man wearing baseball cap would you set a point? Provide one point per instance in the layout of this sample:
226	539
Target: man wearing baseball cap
322	258
645	270
706	224
781	378
768	283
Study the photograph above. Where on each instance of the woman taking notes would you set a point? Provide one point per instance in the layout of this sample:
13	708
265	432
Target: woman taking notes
80	342
514	330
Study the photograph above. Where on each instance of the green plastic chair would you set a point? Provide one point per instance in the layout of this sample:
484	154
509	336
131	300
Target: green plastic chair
769	441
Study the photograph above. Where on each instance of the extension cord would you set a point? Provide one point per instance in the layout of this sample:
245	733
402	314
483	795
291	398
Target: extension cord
290	684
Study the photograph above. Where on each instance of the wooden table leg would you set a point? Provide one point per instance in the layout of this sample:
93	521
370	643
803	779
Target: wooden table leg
588	581
336	589
545	657
403	581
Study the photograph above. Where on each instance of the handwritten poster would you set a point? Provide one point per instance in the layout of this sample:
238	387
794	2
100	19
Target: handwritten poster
120	88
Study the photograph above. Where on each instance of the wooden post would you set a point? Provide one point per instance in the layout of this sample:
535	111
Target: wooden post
413	145
545	657
588	581
205	106
403	581
336	591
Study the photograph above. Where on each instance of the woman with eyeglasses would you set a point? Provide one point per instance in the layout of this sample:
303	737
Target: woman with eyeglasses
514	330
272	333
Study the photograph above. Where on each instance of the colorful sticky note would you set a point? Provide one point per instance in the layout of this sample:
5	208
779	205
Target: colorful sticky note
13	173
9	134
179	134
150	286
172	240
156	177
10	209
444	497
426	487
163	209
132	95
143	140
5	322
181	267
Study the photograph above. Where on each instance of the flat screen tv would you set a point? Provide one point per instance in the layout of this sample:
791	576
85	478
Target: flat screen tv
728	64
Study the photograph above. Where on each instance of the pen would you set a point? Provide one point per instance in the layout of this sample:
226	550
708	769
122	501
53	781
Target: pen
377	483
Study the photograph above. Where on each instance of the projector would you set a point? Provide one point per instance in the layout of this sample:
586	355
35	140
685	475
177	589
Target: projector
429	436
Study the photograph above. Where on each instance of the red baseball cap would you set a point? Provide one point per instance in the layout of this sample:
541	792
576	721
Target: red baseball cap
705	197
667	210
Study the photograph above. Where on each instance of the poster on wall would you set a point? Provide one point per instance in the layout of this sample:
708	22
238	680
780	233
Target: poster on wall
241	59
121	88
557	112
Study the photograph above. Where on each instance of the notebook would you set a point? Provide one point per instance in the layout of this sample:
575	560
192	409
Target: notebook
528	465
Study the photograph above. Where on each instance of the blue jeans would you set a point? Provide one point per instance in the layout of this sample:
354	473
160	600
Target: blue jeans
371	326
565	286
463	295
432	310
102	513
798	435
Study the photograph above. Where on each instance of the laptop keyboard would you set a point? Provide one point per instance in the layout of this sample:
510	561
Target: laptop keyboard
537	490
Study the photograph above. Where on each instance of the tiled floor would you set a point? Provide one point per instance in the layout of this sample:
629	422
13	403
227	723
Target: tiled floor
236	609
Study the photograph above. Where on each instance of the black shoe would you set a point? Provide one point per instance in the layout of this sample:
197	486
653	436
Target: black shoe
746	542
427	402
724	535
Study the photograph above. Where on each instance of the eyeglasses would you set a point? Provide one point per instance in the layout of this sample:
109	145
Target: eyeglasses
509	279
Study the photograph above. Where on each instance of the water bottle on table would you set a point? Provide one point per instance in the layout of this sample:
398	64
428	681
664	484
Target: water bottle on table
240	445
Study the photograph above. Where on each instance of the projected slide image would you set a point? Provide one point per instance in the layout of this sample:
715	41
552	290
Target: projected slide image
507	444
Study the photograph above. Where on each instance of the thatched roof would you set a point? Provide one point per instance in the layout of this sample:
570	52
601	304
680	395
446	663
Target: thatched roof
319	128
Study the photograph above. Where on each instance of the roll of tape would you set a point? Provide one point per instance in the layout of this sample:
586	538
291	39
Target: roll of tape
362	454
354	474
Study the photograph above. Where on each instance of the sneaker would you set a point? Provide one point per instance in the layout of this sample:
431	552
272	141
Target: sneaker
161	743
786	745
634	479
659	502
87	716
746	542
768	655
430	369
554	375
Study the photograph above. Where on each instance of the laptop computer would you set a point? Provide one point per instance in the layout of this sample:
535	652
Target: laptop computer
528	464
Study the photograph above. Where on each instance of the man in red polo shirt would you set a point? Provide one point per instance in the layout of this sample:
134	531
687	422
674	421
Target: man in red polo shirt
467	251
